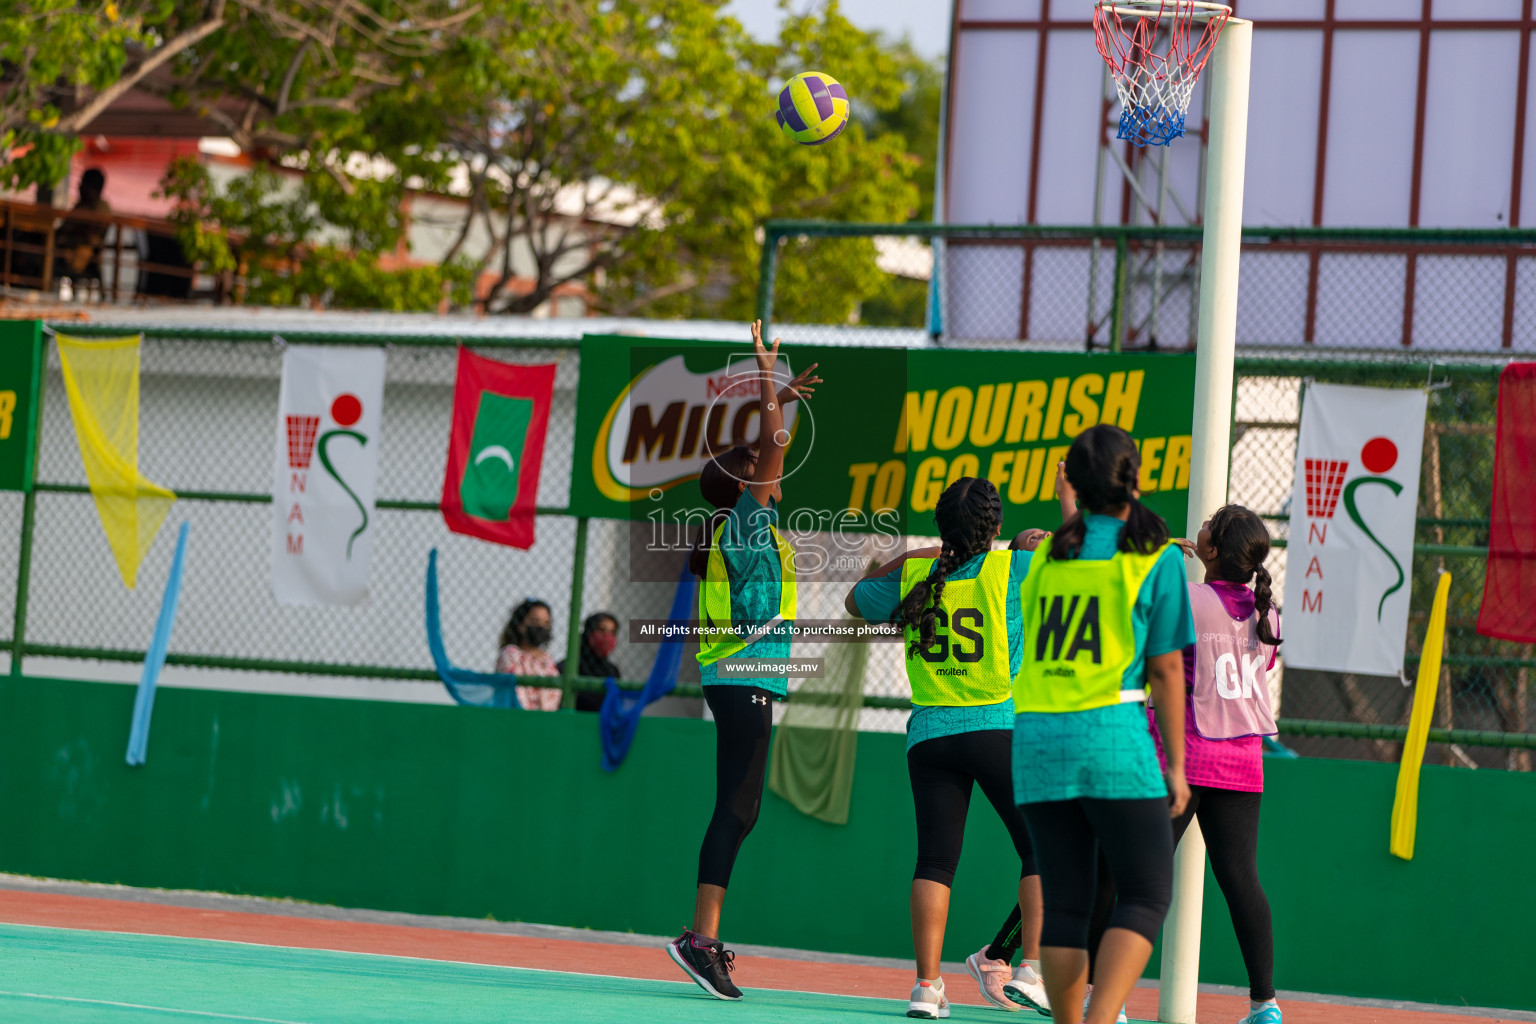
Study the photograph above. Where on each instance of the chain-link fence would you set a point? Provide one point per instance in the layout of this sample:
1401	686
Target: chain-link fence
208	412
208	415
1382	291
1364	306
1484	683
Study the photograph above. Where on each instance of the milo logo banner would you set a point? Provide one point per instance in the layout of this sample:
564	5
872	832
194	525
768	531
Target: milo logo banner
885	433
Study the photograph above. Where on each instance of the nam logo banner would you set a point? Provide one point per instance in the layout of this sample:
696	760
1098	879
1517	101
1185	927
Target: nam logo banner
883	436
1348	565
496	449
327	471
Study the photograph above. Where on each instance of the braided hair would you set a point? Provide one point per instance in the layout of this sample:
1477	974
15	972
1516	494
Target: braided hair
1104	468
968	515
1242	543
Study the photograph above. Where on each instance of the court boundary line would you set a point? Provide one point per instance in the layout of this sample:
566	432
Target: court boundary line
687	984
145	1006
196	899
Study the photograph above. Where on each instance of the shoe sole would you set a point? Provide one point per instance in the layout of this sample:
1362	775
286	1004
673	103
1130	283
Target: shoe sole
924	1013
1022	1000
678	959
1008	1005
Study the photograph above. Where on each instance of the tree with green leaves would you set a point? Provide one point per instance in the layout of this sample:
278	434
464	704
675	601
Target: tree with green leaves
627	147
294	74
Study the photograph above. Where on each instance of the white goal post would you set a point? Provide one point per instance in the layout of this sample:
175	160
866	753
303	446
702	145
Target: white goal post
1212	442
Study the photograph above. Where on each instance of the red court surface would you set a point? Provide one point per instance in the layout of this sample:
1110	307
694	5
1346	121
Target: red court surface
93	913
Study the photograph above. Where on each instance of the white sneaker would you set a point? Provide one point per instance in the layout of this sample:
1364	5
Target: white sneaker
991	975
928	1001
1119	1018
1027	988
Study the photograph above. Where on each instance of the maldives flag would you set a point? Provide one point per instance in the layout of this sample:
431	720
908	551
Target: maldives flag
1509	589
500	413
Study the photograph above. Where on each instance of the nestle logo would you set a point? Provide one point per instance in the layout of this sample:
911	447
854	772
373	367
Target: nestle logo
729	385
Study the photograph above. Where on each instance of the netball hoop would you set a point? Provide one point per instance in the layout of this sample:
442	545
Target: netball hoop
1156	54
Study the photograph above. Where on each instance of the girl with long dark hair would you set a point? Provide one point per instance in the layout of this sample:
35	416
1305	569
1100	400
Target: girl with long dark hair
959	605
1106	618
1227	716
746	602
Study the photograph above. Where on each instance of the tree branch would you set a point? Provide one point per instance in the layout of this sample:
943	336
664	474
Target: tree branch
80	119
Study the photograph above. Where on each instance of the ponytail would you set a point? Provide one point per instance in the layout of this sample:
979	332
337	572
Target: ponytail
1241	541
1263	601
919	609
1104	468
1068	541
968	515
1145	530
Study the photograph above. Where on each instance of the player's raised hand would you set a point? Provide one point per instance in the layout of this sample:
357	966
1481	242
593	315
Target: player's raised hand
766	357
803	386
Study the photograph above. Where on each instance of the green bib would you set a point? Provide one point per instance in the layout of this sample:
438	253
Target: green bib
967	664
1078	636
719	638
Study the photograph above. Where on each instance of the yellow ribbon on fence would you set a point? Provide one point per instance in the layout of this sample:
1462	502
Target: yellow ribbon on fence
1405	807
101	379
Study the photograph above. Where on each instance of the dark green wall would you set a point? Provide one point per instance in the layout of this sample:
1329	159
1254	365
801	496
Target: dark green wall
473	812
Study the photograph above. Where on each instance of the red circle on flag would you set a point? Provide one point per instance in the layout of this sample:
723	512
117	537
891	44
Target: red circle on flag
1379	454
347	410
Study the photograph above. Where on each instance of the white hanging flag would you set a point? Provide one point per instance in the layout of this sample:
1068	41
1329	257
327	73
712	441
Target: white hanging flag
1349	560
327	474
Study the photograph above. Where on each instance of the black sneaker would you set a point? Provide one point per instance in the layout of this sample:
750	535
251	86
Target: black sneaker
707	962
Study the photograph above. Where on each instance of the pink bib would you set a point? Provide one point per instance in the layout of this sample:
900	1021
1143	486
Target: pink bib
1231	696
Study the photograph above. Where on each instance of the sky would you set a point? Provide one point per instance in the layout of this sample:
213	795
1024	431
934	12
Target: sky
926	22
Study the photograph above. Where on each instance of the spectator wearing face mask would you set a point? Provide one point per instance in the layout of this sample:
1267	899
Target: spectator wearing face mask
599	636
523	640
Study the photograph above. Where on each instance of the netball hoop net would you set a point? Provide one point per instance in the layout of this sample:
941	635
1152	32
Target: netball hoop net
1156	50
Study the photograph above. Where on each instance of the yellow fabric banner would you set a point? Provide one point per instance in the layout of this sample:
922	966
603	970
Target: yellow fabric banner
1405	807
102	381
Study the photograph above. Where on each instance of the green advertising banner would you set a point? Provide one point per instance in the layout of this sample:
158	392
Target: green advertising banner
21	362
883	436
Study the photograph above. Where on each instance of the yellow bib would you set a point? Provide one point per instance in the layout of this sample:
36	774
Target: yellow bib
719	637
967	664
1078	636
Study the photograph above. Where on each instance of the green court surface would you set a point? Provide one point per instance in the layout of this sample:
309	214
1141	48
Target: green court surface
63	976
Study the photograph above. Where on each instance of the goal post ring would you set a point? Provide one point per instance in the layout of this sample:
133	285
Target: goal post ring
1156	60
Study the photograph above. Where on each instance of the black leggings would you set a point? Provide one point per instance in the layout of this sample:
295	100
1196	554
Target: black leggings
743	723
1137	847
942	771
1229	820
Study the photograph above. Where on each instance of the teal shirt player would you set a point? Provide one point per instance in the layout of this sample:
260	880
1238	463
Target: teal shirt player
1107	753
879	600
757	582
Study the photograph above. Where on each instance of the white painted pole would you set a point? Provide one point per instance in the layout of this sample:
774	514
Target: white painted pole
1215	348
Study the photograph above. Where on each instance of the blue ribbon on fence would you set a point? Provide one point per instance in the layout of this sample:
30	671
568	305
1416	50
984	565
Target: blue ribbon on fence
619	717
154	658
477	689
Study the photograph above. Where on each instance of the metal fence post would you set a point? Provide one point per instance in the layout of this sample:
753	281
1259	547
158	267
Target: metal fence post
29	503
1117	300
767	269
573	631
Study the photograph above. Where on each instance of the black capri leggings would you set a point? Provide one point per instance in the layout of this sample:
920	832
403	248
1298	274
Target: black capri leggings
1229	821
1136	842
942	772
743	724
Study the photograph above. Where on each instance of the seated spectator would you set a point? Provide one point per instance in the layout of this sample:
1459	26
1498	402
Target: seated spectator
523	641
599	636
77	244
